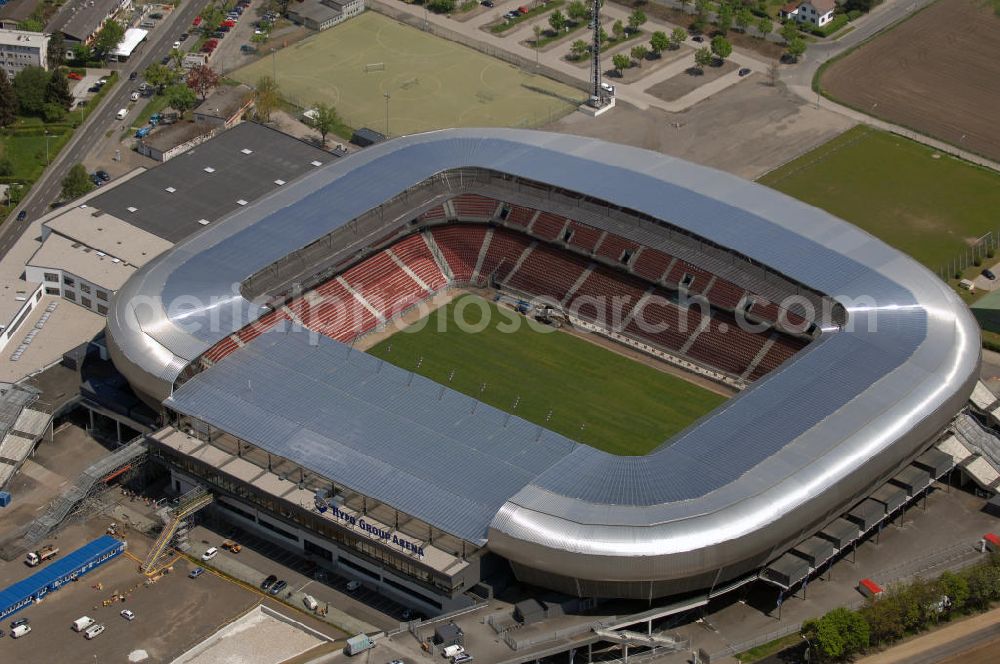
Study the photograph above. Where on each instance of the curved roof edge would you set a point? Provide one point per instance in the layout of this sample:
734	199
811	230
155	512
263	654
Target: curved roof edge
839	417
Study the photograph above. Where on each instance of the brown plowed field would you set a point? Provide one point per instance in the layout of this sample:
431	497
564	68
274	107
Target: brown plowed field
937	73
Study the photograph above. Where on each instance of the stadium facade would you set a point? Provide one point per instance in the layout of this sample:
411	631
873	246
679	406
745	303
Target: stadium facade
243	335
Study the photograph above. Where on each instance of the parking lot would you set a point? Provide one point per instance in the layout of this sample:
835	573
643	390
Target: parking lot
301	576
172	614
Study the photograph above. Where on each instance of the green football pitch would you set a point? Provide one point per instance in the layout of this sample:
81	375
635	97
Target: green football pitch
432	83
552	378
923	202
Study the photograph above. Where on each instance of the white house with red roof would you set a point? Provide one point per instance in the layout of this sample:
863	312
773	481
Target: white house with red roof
817	12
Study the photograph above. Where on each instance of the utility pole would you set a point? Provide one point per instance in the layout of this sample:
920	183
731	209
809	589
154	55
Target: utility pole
387	114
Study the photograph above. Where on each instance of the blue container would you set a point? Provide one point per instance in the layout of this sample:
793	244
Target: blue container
4	499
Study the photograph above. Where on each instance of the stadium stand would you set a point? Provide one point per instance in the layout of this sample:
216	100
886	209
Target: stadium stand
520	215
417	256
547	272
650	264
435	213
707	335
548	226
460	246
614	248
581	236
474	206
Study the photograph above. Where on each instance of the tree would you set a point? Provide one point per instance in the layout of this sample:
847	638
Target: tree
159	75
702	58
618	30
557	21
211	17
8	100
721	47
724	18
838	634
602	36
659	42
885	622
579	48
57	91
326	120
684	4
578	11
639	53
621	62
796	47
635	20
765	27
789	30
743	18
177	58
57	49
53	112
677	37
76	183
202	79
956	588
108	38
181	98
29	88
266	97
81	53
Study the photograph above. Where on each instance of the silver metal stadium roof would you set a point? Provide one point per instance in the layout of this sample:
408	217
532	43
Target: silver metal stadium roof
763	471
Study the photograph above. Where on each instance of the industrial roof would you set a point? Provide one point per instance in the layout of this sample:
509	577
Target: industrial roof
201	194
109	234
826	426
100	269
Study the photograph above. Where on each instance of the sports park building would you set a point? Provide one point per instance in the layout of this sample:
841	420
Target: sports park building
857	360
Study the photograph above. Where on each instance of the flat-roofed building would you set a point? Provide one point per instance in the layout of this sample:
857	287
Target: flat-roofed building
20	49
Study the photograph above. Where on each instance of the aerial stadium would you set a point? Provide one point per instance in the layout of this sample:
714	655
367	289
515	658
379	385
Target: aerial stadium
845	360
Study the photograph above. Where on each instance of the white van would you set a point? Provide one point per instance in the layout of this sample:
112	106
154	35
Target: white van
452	651
20	631
93	631
83	623
310	602
122	113
134	96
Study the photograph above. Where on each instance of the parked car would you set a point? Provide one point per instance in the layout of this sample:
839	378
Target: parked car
184	36
103	175
989	274
96	180
74	76
165	61
196	572
698	38
127	615
134	75
353	585
19	621
268	582
134	96
278	587
745	71
212	552
22	215
488	3
177	45
196	22
93	631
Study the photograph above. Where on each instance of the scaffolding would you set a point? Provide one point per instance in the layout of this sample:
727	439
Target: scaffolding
175	526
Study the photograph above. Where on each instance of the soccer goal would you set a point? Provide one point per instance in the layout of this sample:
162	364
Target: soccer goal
375	66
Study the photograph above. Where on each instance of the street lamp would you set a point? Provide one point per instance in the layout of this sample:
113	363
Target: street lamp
274	65
46	147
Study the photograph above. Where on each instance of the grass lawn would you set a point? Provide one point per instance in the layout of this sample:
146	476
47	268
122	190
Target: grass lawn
925	203
432	83
625	407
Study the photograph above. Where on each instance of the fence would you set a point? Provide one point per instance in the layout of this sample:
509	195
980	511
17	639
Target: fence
975	254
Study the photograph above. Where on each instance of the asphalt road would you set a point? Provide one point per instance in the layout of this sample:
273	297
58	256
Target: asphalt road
101	119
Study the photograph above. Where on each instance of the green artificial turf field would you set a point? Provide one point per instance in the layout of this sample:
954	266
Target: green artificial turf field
921	201
432	83
623	407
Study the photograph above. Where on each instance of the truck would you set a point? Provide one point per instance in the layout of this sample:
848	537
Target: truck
358	644
36	558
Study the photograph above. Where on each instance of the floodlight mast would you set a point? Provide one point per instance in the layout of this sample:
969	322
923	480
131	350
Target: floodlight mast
595	51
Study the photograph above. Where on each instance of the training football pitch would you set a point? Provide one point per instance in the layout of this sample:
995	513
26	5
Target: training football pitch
921	201
595	396
432	83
